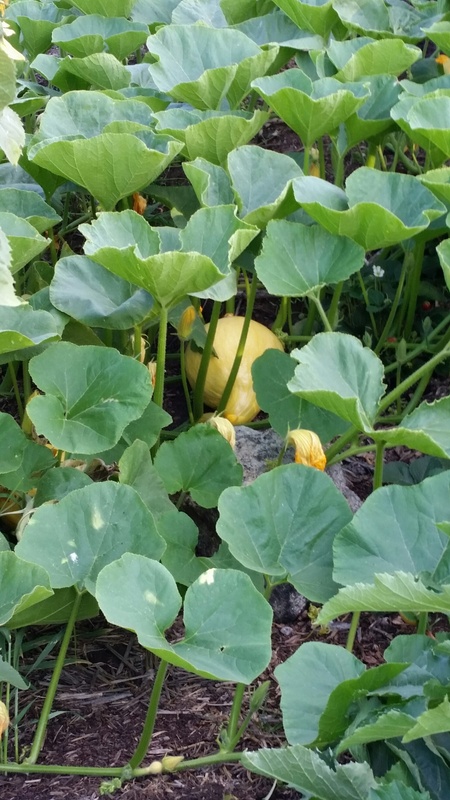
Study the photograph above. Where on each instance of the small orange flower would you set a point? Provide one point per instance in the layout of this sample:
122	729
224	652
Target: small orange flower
308	448
139	203
444	61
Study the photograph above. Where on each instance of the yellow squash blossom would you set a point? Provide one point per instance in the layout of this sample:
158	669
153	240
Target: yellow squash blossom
224	426
308	448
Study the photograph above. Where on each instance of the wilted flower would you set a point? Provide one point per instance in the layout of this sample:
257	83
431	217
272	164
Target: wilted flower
139	203
151	366
378	271
308	448
186	322
4	718
225	427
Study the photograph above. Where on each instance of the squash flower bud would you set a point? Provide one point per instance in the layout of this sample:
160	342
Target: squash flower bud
4	718
186	322
308	448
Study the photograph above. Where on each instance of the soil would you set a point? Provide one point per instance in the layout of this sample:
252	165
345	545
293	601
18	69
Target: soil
101	705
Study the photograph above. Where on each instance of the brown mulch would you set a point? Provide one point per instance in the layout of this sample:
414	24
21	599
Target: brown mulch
101	704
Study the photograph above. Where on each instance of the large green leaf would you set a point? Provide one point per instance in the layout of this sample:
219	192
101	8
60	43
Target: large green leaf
271	373
12	135
99	71
36	22
424	118
127	163
309	773
204	66
136	469
24	240
297	260
276	28
21	327
425	429
389	725
239	10
7	79
92	394
317	16
310	108
125	244
210	182
393	209
397	591
373	118
376	18
396	529
7	291
386	57
209	12
208	134
438	181
56	483
21	586
283	525
227	621
94	34
28	206
433	721
261	180
108	8
439	34
443	251
104	144
92	294
336	680
55	610
88	529
338	374
200	462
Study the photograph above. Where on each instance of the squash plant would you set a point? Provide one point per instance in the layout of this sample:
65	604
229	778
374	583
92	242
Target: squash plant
102	259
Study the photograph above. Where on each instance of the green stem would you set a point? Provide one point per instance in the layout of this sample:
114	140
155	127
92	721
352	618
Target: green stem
321	149
205	359
282	315
26	382
421	348
366	300
371	159
333	311
65	217
41	729
335	448
61	769
378	472
417	395
241	346
412	379
413	286
352	451
184	382
137	342
423	623
322	314
15	385
158	393
352	632
395	303
339	175
309	322
206	761
233	722
306	152
149	724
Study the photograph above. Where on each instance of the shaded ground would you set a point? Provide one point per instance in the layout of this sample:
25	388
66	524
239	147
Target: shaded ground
102	702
